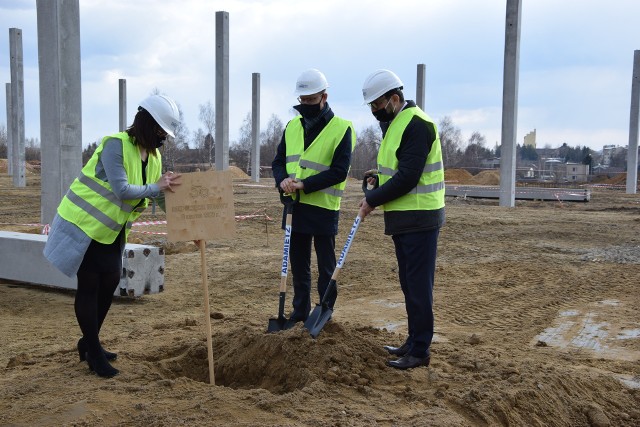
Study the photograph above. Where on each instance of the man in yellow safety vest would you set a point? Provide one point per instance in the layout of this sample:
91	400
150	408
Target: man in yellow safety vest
313	159
410	189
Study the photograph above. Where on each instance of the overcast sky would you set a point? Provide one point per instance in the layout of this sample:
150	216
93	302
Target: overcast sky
576	60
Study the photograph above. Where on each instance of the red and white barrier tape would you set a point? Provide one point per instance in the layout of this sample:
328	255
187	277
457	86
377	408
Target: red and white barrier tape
46	227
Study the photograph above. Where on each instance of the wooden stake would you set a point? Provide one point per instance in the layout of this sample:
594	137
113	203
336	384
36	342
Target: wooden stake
207	314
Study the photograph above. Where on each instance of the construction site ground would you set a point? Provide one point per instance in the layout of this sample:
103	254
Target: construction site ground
537	312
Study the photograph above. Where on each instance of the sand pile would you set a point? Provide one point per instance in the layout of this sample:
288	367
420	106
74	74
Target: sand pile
487	177
238	173
458	176
32	167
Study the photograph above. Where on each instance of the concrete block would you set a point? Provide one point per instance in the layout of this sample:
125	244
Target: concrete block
21	260
142	270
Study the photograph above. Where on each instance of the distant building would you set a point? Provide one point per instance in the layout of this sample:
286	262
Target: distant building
491	163
552	170
607	152
576	172
530	139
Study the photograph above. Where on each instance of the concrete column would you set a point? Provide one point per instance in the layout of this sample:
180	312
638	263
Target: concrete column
255	127
9	140
510	104
122	86
632	152
222	91
420	86
17	108
60	99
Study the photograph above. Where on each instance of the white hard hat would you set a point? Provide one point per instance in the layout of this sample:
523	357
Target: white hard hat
311	82
164	111
378	83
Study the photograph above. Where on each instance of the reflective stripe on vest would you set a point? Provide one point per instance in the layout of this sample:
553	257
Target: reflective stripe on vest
316	158
429	193
90	202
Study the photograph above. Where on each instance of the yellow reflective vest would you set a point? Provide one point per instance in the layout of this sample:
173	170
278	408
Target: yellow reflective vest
90	202
429	193
316	158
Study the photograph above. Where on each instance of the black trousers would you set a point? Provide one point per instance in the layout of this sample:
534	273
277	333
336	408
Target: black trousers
416	255
300	257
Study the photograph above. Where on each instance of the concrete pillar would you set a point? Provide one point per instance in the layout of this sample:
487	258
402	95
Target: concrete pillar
222	91
632	152
9	140
122	87
60	100
17	108
510	104
255	127
420	86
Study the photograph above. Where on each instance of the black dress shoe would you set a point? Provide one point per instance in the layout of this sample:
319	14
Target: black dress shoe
409	362
397	351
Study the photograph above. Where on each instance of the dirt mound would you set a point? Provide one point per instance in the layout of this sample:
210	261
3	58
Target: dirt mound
238	173
283	362
458	176
487	177
32	167
619	179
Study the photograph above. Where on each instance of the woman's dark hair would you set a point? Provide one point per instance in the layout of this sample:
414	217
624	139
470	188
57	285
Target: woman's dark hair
144	131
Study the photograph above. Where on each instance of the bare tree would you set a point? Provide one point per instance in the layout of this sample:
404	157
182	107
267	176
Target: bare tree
3	141
241	150
199	142
475	151
270	139
477	138
208	118
450	140
174	148
365	153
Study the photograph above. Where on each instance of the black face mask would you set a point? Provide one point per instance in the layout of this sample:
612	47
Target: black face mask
308	111
159	141
382	115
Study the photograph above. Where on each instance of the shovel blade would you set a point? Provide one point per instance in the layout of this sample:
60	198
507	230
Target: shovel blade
277	324
317	319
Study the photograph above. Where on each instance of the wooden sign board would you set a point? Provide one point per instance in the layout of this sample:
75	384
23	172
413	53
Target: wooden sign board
201	207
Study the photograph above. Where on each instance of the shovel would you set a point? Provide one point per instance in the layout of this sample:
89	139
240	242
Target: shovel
322	312
278	324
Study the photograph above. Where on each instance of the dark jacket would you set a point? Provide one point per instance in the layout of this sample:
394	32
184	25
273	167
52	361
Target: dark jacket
310	219
415	145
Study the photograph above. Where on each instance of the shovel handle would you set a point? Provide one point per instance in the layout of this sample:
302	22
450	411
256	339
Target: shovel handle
343	257
289	199
347	245
373	173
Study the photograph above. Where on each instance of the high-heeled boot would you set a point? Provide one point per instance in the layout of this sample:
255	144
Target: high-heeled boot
100	365
82	351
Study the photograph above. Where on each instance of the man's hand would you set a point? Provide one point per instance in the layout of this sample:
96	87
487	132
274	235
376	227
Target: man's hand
289	185
365	209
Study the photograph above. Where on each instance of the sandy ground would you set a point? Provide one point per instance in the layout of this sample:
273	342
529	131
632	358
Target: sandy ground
537	323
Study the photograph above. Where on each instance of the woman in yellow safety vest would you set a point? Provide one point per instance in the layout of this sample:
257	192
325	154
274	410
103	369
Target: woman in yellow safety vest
90	229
